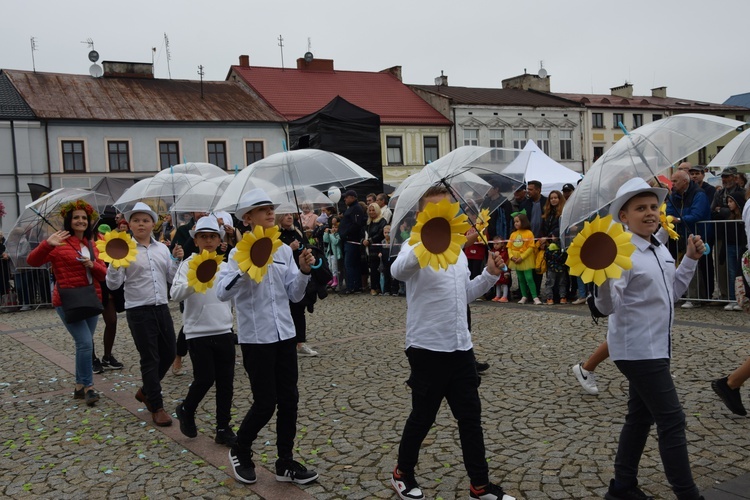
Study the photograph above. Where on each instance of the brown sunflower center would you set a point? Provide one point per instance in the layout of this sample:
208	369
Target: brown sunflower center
117	248
598	251
206	271
436	235
260	251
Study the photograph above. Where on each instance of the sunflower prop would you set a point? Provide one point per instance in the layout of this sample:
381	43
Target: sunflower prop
202	270
483	220
667	222
118	248
600	251
255	251
438	234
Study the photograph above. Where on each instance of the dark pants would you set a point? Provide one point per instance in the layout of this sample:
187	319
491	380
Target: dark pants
452	376
213	361
352	259
653	398
373	263
272	369
300	322
153	334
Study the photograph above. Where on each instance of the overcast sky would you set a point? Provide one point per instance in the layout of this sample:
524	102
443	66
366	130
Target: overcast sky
586	46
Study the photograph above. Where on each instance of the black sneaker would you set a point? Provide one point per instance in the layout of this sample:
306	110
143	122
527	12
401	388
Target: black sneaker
97	365
289	471
110	363
91	397
242	465
187	422
79	393
481	367
226	437
731	397
632	493
406	485
489	492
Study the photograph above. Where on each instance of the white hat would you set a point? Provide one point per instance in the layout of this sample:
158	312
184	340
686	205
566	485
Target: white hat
253	199
224	216
141	207
207	224
631	188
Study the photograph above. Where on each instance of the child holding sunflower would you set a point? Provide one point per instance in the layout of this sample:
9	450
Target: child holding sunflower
208	329
441	358
522	252
262	290
640	305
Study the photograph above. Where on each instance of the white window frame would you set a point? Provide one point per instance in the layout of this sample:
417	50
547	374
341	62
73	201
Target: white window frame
471	137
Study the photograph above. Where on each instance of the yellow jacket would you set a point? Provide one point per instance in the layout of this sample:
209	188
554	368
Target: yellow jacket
522	245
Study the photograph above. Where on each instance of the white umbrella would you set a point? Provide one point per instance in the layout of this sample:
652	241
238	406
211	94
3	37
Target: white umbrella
737	152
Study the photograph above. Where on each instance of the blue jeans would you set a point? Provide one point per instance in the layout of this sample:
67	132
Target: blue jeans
83	335
352	258
653	399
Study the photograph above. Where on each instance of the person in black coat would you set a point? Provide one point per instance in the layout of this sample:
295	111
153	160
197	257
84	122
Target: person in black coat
351	232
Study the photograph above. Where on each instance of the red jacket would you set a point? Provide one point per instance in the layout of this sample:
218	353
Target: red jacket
69	273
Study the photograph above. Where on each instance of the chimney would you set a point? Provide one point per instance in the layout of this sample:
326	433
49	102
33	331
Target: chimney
659	92
315	64
625	91
244	61
528	81
441	80
121	69
395	71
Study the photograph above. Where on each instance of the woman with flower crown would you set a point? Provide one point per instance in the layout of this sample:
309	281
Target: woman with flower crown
74	263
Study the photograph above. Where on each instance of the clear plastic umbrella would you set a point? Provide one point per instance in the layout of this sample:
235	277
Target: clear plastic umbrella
160	192
205	170
41	218
202	197
736	153
645	152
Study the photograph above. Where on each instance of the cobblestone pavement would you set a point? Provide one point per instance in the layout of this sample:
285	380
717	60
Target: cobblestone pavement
545	437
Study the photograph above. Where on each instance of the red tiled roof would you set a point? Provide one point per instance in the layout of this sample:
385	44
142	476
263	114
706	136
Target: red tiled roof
295	93
647	102
81	97
497	97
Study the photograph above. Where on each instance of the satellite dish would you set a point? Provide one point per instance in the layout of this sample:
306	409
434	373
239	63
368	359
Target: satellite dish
542	73
95	70
93	56
308	57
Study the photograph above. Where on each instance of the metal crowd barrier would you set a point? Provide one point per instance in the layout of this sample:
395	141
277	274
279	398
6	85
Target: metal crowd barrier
714	280
24	288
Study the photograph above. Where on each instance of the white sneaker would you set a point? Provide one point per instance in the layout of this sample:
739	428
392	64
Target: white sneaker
537	302
523	300
579	301
729	307
25	308
586	378
736	307
687	305
304	350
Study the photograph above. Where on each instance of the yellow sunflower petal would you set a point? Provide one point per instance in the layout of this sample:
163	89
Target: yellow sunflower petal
613	271
599	277
588	275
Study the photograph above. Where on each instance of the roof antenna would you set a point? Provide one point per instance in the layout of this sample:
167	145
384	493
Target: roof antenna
33	49
169	55
200	72
281	45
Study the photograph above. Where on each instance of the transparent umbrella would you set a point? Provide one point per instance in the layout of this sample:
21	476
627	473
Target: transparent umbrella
645	153
205	170
736	153
203	196
160	192
41	218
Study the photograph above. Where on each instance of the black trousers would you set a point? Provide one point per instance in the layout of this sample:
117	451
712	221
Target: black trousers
272	369
297	310
452	376
213	362
153	334
652	398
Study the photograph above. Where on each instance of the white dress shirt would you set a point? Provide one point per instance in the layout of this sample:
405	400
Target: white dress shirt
641	302
263	315
436	301
204	313
146	279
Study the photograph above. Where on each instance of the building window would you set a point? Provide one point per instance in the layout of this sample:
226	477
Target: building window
702	156
519	138
431	152
119	156
656	117
394	150
566	144
73	158
598	152
217	153
496	138
597	120
637	120
253	151
169	154
542	140
740	118
471	137
617	119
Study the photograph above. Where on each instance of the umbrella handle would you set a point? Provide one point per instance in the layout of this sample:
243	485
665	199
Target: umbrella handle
317	264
